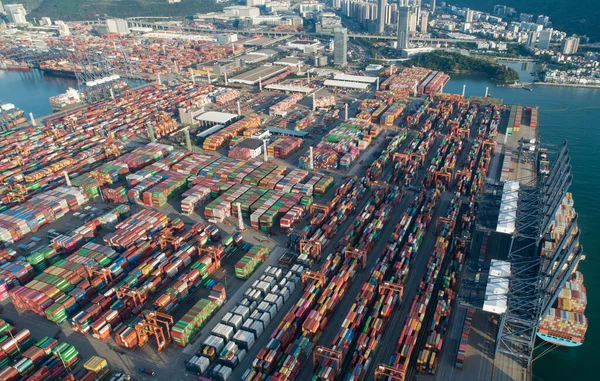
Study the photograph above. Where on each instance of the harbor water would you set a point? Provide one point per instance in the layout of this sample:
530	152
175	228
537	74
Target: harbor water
566	113
572	114
30	90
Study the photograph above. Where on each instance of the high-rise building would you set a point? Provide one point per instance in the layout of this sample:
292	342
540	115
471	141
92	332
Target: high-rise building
543	20
525	17
424	22
340	46
336	4
432	5
499	10
16	13
63	29
255	3
381	5
412	20
45	21
544	39
531	38
1	7
570	45
469	15
403	33
117	26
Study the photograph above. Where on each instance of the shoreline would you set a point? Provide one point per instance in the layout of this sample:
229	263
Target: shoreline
566	85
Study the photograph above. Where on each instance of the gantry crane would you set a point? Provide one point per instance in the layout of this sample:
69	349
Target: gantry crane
359	255
166	237
214	252
310	248
392	287
17	192
317	276
145	328
327	354
442	221
111	149
443	175
160	319
134	295
95	270
389	373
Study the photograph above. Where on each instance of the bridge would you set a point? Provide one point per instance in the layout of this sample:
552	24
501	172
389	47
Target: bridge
134	22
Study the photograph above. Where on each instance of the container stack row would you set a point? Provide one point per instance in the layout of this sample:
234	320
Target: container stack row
240	328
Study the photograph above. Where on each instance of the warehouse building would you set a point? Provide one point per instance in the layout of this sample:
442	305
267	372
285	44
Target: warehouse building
252	77
289	61
346	84
213	118
305	46
249	59
286	132
254	145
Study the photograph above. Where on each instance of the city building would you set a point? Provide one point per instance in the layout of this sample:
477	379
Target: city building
256	3
499	10
424	22
432	5
403	33
327	22
241	11
543	20
305	46
469	15
570	45
412	20
45	21
525	17
544	39
340	51
16	13
1	7
276	6
117	26
336	4
306	8
381	8
63	29
254	146
532	38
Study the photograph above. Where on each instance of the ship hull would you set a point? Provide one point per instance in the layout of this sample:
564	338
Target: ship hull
559	341
17	67
60	73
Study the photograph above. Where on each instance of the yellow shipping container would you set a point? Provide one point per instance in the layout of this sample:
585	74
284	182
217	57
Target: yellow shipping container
95	364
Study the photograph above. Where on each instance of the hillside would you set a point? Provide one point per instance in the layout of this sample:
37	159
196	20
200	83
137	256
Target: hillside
572	16
458	63
90	9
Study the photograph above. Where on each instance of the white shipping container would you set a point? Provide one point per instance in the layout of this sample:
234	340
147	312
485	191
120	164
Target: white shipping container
224	331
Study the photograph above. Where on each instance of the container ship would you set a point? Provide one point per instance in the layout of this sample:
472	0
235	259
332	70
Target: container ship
565	323
10	115
66	100
59	68
11	65
72	97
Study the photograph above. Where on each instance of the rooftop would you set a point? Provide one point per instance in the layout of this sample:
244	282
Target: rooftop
304	42
216	117
355	78
285	131
252	77
250	144
346	84
258	41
